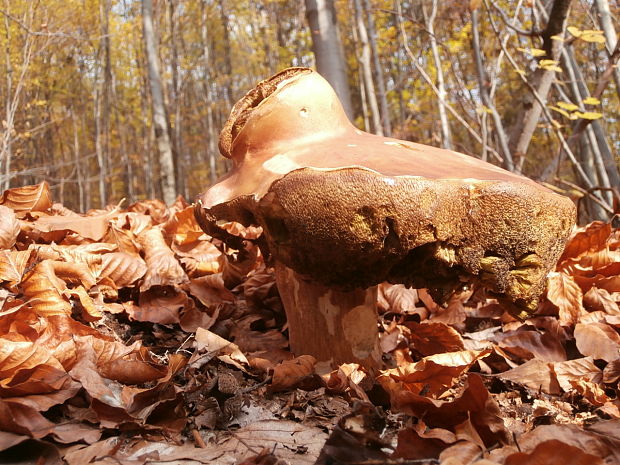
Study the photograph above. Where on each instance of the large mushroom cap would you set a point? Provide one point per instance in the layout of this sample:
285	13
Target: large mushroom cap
350	209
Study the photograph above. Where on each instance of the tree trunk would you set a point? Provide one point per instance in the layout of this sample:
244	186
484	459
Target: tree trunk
327	48
372	39
106	91
180	172
446	136
542	79
364	62
211	145
483	85
160	123
611	39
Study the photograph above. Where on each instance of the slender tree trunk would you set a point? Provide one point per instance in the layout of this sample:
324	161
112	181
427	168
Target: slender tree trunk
483	85
611	38
212	151
364	62
446	135
160	123
6	155
380	80
542	80
179	149
78	163
327	49
98	147
106	94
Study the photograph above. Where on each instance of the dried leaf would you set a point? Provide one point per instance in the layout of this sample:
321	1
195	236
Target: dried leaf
588	239
34	198
600	299
13	265
554	451
597	340
92	227
290	373
122	268
9	227
431	338
564	293
163	269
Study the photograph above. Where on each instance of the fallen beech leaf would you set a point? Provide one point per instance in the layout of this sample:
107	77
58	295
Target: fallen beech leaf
432	375
9	227
90	310
210	290
397	298
600	299
13	264
543	346
430	338
290	373
553	451
598	340
414	445
611	373
90	227
154	208
463	452
206	341
183	228
27	198
45	291
22	419
589	238
472	400
349	378
40	387
122	268
124	239
534	374
163	269
160	304
577	369
565	294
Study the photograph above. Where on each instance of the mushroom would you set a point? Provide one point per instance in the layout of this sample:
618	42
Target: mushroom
343	210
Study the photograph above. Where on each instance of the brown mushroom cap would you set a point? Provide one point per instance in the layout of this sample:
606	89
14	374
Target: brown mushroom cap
349	209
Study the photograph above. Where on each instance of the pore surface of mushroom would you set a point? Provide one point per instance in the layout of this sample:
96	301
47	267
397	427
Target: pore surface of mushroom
343	210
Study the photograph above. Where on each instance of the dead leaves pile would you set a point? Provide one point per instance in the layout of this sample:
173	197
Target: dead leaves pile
83	295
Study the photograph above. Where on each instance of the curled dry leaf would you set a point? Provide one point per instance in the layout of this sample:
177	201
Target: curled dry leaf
600	299
35	198
587	239
554	451
290	373
124	240
431	338
9	227
122	268
13	265
160	304
349	378
598	340
564	293
527	343
90	227
45	290
163	269
397	298
153	208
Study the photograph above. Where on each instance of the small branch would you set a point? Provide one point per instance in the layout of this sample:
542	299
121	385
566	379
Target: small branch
510	25
29	31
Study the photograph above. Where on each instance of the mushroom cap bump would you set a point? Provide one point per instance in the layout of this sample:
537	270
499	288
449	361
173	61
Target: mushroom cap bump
348	209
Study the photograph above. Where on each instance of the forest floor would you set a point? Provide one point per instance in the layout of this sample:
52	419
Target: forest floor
128	336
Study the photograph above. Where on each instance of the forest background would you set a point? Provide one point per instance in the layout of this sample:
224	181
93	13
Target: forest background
530	85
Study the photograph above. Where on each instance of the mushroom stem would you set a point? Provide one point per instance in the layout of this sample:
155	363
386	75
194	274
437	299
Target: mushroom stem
331	325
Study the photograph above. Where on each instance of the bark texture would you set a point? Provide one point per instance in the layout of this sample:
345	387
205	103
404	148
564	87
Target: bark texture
160	122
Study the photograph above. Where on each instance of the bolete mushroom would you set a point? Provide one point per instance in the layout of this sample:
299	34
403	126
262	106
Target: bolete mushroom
343	210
